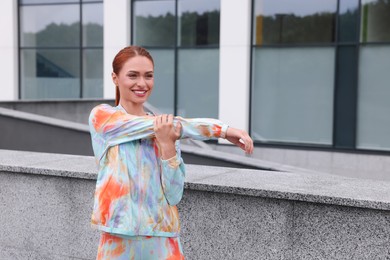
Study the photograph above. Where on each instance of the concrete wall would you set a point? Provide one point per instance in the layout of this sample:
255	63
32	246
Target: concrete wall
46	202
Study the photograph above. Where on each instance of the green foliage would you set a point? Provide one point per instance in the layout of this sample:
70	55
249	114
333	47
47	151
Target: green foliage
195	29
376	21
64	35
290	28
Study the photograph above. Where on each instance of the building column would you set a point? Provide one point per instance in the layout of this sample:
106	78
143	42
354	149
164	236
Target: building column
9	50
234	63
117	28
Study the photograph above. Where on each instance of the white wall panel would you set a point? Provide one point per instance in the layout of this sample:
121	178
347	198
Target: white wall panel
116	36
8	50
235	62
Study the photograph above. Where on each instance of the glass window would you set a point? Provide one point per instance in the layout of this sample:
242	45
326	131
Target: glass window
92	73
154	23
55	61
198	82
50	26
50	74
375	21
92	25
179	69
164	80
373	98
292	97
304	21
47	1
198	22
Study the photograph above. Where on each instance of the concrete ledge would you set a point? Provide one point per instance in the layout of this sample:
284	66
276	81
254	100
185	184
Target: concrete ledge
46	201
326	189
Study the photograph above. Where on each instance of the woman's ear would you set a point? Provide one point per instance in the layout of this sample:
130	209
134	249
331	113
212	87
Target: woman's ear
114	78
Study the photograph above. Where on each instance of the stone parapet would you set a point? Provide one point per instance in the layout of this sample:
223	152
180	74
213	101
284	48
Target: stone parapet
226	213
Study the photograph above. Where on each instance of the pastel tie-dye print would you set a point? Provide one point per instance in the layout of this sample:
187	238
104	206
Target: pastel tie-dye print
136	191
139	248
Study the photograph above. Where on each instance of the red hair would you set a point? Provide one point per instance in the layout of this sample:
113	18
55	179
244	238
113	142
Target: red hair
124	55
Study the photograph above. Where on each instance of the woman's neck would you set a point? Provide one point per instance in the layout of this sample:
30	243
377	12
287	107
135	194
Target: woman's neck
133	109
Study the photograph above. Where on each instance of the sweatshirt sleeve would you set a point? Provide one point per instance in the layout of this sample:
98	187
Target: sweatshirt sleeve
202	128
110	126
172	177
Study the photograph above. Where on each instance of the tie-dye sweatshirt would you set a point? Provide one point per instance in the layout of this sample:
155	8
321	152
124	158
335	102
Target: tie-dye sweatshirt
136	191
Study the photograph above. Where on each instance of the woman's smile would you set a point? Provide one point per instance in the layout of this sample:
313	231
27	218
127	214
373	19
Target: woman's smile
140	93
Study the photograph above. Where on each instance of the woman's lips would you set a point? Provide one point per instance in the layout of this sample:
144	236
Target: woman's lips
139	93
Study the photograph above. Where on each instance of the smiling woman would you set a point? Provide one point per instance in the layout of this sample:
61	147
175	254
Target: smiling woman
141	172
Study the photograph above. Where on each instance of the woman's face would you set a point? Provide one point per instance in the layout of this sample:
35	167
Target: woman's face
135	80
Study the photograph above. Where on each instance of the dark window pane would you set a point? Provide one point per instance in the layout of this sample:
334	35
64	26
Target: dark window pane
198	82
299	21
47	1
348	20
345	120
50	26
50	74
375	21
199	22
92	25
92	74
154	23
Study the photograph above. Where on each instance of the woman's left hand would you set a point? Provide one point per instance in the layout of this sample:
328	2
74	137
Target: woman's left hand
240	138
166	134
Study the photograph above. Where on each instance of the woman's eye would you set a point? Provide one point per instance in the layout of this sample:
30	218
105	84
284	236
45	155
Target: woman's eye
149	76
132	76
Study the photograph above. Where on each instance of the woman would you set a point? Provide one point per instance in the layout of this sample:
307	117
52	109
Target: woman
141	173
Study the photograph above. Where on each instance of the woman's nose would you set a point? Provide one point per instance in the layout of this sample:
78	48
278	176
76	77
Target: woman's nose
141	82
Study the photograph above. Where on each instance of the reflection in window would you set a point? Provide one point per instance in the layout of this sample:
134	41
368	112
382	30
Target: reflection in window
50	74
305	21
166	34
47	1
50	25
199	22
55	61
154	23
375	21
92	25
348	17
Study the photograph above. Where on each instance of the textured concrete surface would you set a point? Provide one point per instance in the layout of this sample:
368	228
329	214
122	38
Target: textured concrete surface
46	217
229	226
324	188
46	202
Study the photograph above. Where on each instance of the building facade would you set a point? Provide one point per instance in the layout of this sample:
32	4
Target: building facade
301	74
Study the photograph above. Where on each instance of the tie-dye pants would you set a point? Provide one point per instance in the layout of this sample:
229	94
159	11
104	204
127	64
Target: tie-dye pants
146	248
